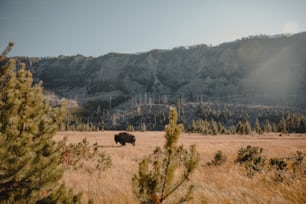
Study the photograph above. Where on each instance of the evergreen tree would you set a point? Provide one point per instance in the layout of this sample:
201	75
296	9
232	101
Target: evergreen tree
130	128
302	128
239	128
258	129
274	128
243	127
282	127
267	127
155	181
29	167
295	123
192	126
247	126
221	129
143	127
214	127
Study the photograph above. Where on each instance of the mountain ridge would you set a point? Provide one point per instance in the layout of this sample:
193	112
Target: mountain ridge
267	70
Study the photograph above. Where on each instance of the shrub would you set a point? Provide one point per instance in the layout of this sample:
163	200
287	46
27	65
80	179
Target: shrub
75	155
278	163
298	158
298	169
251	157
287	168
219	159
279	167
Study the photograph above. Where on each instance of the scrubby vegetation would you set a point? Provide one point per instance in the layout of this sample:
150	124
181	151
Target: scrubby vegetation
252	158
167	169
219	159
220	181
77	155
280	169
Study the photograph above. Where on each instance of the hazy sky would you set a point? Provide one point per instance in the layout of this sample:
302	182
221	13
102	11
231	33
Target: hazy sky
96	27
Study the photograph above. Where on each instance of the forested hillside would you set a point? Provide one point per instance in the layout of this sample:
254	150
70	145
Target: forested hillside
253	71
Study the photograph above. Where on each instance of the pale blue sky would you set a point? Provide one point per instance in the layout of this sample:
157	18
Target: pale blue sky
96	27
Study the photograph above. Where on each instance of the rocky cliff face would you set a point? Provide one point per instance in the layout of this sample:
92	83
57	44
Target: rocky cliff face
254	70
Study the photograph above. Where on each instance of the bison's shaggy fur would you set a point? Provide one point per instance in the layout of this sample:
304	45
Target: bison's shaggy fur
124	137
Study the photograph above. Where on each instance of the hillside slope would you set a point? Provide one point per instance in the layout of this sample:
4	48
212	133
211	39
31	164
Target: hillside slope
266	70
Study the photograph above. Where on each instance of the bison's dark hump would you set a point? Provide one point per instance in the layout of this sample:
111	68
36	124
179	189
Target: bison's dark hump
124	133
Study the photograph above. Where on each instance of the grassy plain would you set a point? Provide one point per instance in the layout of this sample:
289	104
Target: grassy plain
225	184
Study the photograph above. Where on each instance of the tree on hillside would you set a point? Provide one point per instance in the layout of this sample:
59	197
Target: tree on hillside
214	127
243	127
258	129
282	125
29	167
155	181
267	127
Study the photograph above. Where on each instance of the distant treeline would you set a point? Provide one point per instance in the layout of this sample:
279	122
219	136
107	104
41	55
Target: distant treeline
204	118
292	123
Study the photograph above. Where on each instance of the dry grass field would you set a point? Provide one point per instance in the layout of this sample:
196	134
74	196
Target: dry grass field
224	184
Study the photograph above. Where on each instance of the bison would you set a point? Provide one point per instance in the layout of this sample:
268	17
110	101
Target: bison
124	137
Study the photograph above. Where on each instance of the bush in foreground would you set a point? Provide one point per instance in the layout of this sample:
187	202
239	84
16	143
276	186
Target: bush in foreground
75	155
219	159
155	180
252	158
